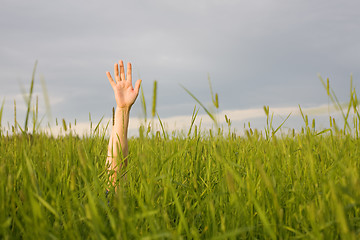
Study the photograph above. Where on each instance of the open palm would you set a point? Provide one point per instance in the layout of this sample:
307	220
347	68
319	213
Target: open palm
125	94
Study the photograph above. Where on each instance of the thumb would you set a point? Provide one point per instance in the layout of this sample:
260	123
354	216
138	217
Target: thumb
137	86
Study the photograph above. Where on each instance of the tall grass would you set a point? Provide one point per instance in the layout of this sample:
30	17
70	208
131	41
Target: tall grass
202	185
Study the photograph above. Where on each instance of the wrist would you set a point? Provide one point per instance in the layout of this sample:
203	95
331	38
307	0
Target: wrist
122	109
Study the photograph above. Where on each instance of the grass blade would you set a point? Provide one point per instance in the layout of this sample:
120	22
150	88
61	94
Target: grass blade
29	98
202	105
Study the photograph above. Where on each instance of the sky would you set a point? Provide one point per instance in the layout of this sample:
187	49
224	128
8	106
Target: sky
256	53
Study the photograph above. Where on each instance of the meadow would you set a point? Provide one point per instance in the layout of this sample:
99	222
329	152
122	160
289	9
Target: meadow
200	184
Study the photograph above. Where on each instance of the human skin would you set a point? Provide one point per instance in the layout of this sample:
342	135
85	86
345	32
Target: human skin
125	96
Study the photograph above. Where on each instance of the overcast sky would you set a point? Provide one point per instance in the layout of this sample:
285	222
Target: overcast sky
256	52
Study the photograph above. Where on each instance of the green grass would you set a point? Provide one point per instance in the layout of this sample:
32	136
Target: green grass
199	185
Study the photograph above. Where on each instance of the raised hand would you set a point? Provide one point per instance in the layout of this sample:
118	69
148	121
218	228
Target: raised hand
125	94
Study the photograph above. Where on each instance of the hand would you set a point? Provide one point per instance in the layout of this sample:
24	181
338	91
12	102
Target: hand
125	94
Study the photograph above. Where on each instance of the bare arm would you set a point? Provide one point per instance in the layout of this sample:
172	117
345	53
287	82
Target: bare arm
125	96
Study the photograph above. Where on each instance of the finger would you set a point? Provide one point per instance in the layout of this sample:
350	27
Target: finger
116	72
122	71
111	80
128	73
137	86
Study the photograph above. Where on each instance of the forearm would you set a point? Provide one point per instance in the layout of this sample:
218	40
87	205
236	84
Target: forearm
118	144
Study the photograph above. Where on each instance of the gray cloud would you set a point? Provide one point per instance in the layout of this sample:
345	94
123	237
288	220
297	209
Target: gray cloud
256	52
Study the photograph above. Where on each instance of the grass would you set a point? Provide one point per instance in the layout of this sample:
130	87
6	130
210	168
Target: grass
199	185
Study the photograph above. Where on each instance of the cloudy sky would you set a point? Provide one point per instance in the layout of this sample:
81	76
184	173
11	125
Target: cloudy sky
256	53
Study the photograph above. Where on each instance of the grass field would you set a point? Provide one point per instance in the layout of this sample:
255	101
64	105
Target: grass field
198	185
